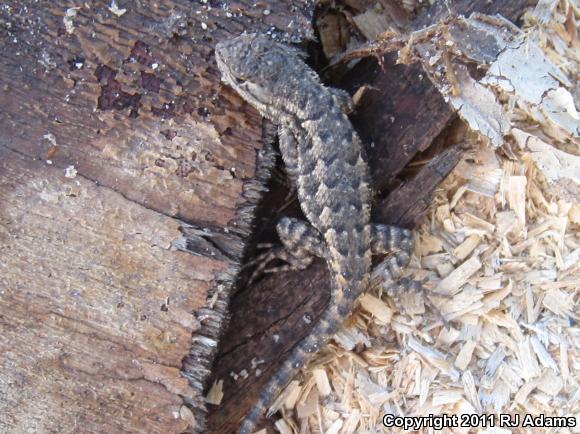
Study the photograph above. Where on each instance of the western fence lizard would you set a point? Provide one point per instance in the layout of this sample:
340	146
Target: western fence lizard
323	155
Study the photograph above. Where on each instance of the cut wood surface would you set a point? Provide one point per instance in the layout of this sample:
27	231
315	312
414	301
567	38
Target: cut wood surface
96	306
399	116
128	177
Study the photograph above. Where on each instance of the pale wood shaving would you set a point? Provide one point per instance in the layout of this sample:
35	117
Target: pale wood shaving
463	250
471	391
291	394
283	427
322	382
378	308
335	427
373	22
464	357
216	393
516	193
458	277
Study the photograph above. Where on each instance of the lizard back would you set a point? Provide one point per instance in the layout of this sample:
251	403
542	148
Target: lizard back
331	175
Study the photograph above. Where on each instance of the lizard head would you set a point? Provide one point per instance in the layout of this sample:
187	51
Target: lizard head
254	66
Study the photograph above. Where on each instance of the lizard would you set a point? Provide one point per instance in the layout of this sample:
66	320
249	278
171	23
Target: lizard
324	158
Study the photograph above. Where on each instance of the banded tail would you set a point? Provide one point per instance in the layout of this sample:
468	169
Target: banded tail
327	326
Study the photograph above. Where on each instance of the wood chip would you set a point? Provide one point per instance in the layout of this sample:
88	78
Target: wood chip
528	360
435	358
352	422
309	405
335	427
322	382
378	308
283	427
517	196
559	302
373	22
550	383
458	277
470	390
216	393
464	357
463	250
542	354
292	393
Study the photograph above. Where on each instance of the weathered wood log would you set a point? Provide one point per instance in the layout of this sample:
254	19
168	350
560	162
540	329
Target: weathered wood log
400	116
128	178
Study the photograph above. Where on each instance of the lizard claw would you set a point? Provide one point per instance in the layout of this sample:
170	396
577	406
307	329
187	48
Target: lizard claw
275	253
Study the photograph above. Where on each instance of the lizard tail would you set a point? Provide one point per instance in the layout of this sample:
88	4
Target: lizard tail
327	325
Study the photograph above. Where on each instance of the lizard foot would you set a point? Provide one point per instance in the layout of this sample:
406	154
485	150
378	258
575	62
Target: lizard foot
300	244
276	253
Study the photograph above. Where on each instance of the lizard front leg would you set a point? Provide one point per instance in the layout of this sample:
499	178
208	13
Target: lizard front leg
301	242
289	152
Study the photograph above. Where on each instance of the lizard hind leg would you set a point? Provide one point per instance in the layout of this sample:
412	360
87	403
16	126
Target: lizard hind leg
395	241
301	242
388	239
398	242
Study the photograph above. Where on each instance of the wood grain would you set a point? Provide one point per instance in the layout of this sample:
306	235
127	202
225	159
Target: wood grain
128	178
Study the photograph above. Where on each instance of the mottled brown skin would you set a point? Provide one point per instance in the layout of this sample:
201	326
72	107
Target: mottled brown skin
324	156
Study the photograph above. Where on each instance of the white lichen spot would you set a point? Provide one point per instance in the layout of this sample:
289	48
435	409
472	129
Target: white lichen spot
114	8
70	172
256	362
69	15
46	61
50	137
